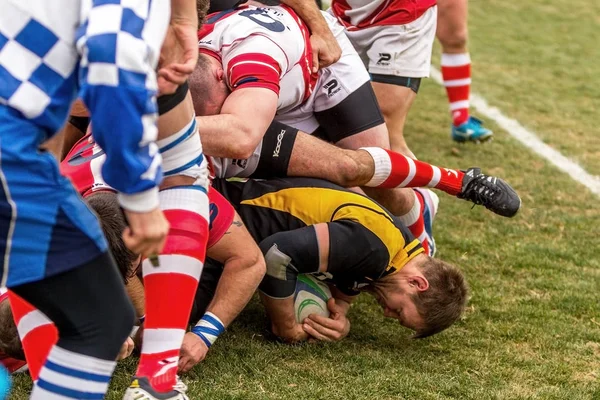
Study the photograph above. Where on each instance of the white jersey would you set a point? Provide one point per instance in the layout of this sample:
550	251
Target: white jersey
361	14
269	47
259	47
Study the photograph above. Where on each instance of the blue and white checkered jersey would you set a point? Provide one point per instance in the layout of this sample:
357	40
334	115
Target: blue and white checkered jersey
106	49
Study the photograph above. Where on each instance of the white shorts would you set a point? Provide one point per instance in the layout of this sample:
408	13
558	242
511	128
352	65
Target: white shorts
400	50
334	84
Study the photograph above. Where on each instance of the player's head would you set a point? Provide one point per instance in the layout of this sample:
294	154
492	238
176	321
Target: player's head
112	220
10	344
208	86
426	295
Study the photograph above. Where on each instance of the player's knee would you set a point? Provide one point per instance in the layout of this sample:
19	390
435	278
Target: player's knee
454	40
258	264
350	170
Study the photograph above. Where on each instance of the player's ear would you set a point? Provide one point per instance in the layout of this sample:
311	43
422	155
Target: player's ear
419	282
220	74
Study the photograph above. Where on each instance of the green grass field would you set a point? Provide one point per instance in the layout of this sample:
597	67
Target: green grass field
532	329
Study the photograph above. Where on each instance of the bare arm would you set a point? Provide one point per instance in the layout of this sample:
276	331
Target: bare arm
277	294
135	291
179	52
326	49
238	130
244	267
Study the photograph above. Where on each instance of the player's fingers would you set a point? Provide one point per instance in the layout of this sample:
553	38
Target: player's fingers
173	74
333	307
324	321
132	241
315	67
165	87
334	332
130	347
315	333
187	67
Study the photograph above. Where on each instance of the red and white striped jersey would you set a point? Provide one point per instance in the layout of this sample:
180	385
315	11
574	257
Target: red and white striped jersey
360	14
83	165
259	47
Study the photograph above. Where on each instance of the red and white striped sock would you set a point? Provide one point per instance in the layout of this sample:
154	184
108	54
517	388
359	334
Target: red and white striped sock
38	334
393	170
415	223
170	288
456	71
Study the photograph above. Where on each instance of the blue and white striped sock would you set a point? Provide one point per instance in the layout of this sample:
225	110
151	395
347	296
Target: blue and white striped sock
69	375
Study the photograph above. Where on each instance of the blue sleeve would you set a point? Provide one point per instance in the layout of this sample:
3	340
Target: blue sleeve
119	48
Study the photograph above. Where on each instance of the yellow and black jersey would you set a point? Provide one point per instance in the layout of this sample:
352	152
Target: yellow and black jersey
366	241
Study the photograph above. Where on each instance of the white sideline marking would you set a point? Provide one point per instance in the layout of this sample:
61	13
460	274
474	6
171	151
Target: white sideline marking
530	140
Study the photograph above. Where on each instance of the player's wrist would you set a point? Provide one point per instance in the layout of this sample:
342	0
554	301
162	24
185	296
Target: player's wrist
142	202
208	328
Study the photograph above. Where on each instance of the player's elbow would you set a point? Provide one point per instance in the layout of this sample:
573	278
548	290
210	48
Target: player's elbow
245	144
258	267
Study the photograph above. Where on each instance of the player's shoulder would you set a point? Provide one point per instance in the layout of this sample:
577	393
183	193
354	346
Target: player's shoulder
245	22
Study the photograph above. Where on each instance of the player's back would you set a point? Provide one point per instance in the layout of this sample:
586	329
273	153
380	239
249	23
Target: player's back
262	44
275	205
360	14
38	62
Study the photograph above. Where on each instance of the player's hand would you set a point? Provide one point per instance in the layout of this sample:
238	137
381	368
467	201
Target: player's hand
325	48
178	55
126	349
334	328
146	233
290	334
193	350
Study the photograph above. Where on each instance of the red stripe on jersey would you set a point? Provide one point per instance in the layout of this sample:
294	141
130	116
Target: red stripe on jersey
187	234
76	165
310	79
389	12
221	216
254	70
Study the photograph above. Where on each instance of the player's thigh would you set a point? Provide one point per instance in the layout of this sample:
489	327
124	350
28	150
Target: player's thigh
452	29
403	50
70	300
376	136
395	102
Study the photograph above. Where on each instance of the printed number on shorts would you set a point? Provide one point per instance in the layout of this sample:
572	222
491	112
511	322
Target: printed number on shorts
262	18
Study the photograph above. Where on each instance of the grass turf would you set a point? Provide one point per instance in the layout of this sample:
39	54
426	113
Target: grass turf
532	329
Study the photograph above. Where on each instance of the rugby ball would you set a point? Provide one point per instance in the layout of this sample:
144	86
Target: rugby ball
310	297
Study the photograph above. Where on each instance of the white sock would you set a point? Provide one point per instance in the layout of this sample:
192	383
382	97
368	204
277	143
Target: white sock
69	375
